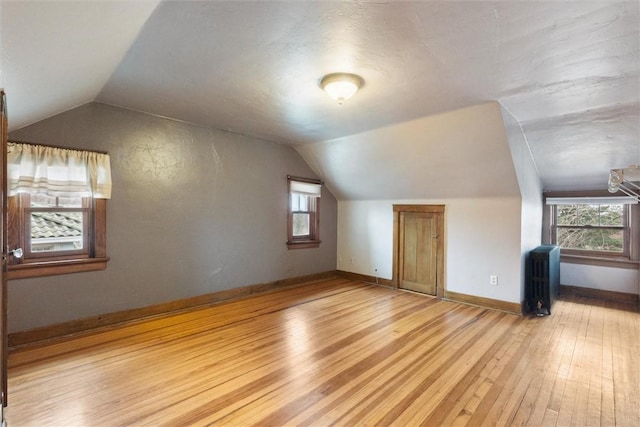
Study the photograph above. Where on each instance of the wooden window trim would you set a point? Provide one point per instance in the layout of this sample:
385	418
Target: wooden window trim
587	256
96	259
610	260
313	239
614	262
304	244
53	268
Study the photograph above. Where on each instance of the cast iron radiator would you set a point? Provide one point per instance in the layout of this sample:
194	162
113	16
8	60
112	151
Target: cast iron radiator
542	279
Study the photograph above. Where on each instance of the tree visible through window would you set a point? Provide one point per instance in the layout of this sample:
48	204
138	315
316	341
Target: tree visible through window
598	228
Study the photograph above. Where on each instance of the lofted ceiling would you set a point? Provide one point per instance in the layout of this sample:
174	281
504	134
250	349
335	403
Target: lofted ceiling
568	71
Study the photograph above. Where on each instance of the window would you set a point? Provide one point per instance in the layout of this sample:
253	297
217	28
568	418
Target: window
303	221
55	225
56	210
591	228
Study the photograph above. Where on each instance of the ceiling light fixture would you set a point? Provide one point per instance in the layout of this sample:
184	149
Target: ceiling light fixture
626	180
341	86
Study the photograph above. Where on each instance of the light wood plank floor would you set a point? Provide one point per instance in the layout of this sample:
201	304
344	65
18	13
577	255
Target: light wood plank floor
339	352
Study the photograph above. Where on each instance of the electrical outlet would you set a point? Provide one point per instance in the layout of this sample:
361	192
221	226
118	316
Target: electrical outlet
493	280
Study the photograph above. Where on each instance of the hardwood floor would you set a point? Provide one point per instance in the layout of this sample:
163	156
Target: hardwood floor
345	353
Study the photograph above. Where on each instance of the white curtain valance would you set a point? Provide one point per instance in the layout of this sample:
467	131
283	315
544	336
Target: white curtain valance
57	171
305	188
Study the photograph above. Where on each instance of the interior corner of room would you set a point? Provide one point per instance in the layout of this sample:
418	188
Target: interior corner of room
459	125
198	202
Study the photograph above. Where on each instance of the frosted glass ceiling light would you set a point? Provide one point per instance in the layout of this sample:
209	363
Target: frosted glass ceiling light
626	180
341	86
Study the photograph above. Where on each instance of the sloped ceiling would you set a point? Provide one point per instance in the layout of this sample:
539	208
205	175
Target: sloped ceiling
569	71
458	154
59	55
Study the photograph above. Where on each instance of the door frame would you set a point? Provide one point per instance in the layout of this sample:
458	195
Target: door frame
4	351
439	212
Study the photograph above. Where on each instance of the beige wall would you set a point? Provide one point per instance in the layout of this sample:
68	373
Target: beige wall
473	160
458	154
482	238
530	190
193	211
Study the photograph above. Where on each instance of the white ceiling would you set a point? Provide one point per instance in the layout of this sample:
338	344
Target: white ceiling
568	71
439	157
59	55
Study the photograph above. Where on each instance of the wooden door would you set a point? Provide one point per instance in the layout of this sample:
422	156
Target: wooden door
3	270
418	252
418	248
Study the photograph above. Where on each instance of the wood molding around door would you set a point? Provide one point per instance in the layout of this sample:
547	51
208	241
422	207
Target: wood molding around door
3	269
438	212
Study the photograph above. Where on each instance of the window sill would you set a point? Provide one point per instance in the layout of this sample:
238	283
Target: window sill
304	244
600	261
52	268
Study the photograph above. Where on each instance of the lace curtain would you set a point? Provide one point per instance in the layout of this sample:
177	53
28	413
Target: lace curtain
57	171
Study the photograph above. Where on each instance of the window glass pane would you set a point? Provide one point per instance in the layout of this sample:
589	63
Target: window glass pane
70	202
46	201
567	215
588	214
300	224
591	239
304	203
612	215
56	231
299	202
594	215
42	201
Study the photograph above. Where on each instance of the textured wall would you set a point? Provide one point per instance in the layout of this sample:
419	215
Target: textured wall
193	211
441	156
530	189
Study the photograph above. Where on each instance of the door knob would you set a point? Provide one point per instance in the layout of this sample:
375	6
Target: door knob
17	253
